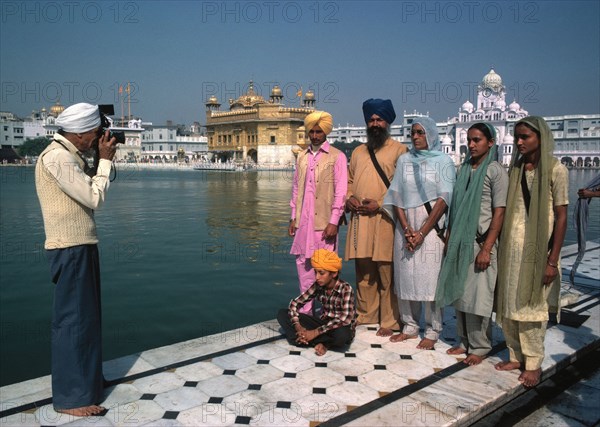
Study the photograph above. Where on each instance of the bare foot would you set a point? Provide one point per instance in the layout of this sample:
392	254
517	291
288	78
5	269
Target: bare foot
426	344
384	332
473	359
456	350
402	337
320	349
507	366
531	378
84	411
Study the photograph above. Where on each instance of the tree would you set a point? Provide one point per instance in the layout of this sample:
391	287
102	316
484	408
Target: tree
33	147
346	148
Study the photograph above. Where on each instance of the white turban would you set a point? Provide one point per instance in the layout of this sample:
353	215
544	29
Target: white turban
79	118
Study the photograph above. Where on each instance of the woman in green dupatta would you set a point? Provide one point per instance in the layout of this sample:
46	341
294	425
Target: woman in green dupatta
535	224
468	275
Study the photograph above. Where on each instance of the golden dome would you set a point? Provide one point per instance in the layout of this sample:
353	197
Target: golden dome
276	91
56	109
212	100
310	95
249	99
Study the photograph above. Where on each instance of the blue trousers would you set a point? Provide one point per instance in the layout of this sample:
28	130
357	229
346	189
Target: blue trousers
77	378
334	338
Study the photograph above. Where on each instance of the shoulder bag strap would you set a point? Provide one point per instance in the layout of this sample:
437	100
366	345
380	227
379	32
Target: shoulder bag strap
439	231
384	178
86	168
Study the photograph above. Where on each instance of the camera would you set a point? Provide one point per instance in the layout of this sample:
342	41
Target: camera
106	122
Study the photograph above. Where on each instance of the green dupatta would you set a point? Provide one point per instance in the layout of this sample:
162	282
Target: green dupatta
464	220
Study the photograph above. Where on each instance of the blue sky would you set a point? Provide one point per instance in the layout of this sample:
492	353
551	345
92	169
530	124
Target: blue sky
423	55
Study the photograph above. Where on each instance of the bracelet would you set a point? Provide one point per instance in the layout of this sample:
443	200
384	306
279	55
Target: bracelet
405	228
552	265
422	235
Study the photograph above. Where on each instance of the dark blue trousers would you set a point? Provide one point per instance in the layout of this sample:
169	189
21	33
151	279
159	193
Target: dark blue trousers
77	378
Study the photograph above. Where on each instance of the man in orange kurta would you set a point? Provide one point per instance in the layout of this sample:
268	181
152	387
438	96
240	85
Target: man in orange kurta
370	238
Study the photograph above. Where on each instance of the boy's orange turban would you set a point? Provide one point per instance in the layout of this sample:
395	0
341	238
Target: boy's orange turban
323	259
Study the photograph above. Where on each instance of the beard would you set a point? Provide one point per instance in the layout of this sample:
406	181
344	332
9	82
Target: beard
376	137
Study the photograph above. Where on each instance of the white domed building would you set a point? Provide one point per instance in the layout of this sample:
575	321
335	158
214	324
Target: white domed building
576	136
490	107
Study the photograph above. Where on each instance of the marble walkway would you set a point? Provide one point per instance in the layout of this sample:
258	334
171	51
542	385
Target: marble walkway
252	376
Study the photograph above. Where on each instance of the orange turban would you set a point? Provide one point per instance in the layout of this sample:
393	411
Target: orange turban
323	259
321	119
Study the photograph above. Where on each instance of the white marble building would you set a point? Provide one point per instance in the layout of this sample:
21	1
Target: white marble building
577	137
11	130
171	143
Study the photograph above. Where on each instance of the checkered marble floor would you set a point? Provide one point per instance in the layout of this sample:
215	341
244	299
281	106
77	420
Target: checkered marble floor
252	376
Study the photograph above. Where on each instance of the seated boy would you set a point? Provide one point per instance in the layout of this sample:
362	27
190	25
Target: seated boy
337	323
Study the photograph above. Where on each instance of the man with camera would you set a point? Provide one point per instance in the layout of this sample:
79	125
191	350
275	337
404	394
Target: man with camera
69	191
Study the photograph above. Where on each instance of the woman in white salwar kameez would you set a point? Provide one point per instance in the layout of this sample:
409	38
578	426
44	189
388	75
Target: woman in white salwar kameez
418	198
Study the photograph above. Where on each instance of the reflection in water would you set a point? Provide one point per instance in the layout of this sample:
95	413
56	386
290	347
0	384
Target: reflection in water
253	207
246	215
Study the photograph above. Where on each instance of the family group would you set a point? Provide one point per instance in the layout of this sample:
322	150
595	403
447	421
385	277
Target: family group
424	234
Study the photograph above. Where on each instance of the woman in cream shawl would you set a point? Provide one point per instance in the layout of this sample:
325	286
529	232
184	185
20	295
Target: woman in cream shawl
534	228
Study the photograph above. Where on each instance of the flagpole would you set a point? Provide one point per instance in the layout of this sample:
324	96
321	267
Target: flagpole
128	102
121	96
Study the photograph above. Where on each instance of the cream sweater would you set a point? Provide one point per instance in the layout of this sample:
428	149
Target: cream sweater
59	178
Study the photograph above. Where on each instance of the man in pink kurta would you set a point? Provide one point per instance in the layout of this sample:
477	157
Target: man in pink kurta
318	197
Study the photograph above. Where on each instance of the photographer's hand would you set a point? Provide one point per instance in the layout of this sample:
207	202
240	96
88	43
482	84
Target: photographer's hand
107	146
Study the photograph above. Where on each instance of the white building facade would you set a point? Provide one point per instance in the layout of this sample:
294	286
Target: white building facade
577	137
168	144
11	130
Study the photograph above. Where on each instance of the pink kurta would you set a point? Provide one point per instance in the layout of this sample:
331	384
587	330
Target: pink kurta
307	239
